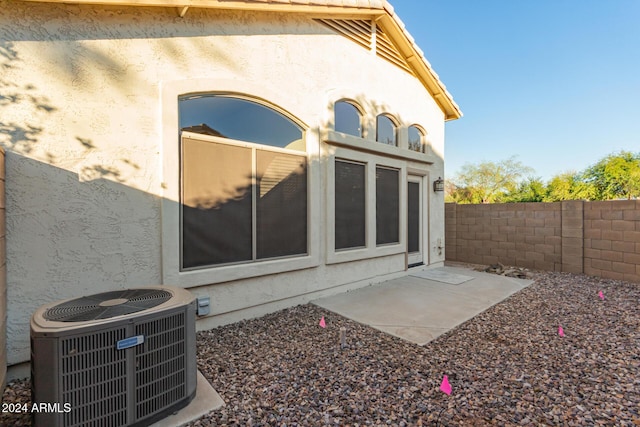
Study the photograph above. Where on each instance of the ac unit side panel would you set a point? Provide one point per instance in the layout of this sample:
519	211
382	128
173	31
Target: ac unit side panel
165	364
45	386
192	372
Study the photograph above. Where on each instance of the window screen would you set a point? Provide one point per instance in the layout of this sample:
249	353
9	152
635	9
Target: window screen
216	203
281	210
387	206
347	118
218	199
350	201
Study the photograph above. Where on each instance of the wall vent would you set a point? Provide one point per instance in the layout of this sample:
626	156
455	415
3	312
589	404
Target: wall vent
362	32
357	30
387	50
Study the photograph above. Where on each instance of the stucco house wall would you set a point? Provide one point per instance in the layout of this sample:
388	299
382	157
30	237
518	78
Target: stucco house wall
88	118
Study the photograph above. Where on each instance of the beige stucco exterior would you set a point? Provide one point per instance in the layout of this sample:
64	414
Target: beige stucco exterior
88	118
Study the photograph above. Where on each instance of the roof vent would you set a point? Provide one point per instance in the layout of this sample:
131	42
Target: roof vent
362	32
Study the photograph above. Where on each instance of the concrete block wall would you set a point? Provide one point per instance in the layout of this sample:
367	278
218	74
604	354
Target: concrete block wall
612	239
519	234
596	238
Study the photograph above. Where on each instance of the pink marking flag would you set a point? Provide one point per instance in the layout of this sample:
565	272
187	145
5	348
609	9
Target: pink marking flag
601	295
445	387
322	323
560	331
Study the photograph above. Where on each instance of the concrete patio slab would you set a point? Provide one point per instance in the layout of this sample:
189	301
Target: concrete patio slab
419	309
442	275
206	400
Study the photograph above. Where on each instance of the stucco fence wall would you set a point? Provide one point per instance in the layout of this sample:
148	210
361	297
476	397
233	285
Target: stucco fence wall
596	238
3	280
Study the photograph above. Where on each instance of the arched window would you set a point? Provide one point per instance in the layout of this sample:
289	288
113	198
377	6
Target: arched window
347	118
240	202
416	139
386	130
241	119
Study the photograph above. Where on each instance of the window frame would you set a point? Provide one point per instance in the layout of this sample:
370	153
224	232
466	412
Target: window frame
365	167
358	110
423	139
394	123
254	147
371	249
169	191
399	190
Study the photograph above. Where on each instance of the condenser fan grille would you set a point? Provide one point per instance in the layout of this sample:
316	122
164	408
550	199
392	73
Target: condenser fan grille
107	305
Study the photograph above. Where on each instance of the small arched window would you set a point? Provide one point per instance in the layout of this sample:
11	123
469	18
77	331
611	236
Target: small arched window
347	118
416	139
386	130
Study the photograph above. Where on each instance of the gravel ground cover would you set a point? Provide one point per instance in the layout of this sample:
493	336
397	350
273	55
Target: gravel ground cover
507	366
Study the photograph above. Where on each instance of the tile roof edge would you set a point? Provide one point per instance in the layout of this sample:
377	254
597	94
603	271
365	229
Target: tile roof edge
401	26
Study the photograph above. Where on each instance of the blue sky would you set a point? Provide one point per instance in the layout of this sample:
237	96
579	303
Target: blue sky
554	82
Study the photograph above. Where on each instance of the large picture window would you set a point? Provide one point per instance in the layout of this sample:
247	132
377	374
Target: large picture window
240	201
387	205
350	201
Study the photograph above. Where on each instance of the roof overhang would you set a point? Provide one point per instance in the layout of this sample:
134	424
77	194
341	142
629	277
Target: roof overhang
379	10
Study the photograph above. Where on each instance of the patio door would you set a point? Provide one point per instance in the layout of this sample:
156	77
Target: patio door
415	221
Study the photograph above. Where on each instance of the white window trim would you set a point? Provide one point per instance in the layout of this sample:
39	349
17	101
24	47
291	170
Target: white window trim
371	250
170	205
340	139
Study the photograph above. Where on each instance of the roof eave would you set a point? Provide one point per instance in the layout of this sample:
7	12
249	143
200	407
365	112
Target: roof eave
394	27
380	10
266	6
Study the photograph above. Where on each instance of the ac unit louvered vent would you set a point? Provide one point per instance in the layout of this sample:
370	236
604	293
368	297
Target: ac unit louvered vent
360	31
116	359
161	370
94	378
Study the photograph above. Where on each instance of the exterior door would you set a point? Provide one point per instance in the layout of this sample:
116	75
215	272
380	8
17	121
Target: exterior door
414	221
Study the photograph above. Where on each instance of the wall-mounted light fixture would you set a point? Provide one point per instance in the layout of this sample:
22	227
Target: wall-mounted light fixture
438	185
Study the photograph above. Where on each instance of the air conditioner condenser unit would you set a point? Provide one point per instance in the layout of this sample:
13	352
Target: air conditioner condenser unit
119	358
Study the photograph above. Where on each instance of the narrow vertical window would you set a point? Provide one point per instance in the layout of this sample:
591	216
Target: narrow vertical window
347	118
416	139
387	206
350	217
413	217
385	130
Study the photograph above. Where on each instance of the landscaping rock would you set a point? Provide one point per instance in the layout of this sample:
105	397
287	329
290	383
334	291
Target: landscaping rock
507	366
